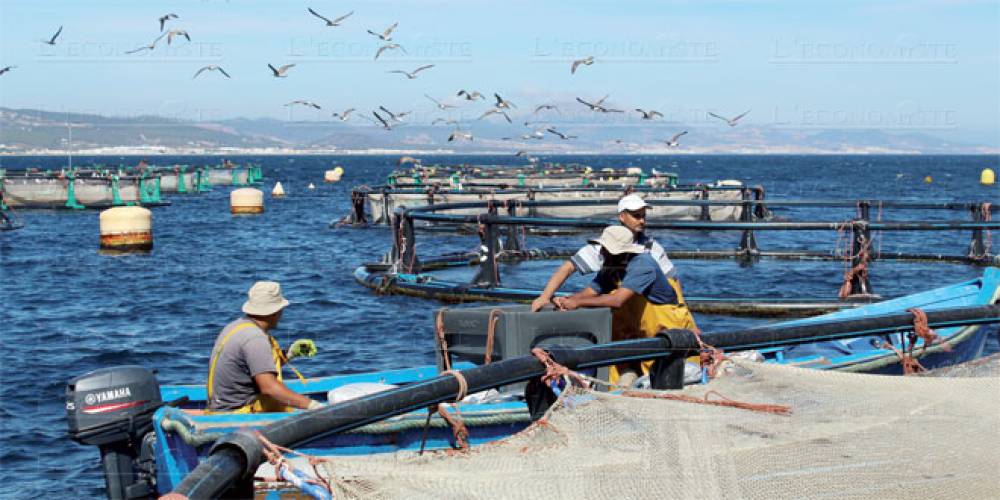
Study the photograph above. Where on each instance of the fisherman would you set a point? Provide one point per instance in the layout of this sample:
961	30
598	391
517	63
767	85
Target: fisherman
643	300
244	374
632	214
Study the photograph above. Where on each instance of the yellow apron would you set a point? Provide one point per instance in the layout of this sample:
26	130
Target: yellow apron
640	318
263	403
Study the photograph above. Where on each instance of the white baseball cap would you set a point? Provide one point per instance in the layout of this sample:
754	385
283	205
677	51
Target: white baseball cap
264	299
632	202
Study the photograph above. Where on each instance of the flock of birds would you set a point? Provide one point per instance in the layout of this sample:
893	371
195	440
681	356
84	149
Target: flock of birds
388	120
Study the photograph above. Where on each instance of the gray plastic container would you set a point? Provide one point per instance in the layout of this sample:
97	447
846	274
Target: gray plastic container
519	330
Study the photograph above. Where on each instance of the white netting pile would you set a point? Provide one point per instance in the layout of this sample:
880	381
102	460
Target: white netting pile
848	436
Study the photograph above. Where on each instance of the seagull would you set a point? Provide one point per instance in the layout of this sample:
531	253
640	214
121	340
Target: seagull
280	72
470	96
388	47
496	110
561	135
385	124
344	114
442	106
458	134
335	22
521	153
442	120
172	33
538	134
211	67
546	106
385	36
649	115
165	18
412	76
151	46
586	61
672	142
503	103
398	116
6	69
52	41
598	106
731	122
304	103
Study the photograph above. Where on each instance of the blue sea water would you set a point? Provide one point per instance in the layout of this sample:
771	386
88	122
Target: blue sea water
68	310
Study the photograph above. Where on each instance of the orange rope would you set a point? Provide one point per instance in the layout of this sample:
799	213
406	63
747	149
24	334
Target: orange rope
922	330
758	407
859	271
555	371
709	357
491	327
442	341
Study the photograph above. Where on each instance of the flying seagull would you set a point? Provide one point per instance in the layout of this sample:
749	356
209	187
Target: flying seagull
496	110
151	46
413	75
649	115
546	106
385	124
586	61
672	142
521	153
172	33
211	67
503	103
6	69
440	105
385	36
280	72
52	41
458	134
561	135
397	116
344	114
165	18
470	96
388	47
445	121
304	103
731	122
335	22
598	106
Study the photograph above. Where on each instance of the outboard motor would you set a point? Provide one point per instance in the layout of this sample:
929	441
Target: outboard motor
112	408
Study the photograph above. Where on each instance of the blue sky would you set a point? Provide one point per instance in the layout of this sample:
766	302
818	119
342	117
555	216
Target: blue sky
923	65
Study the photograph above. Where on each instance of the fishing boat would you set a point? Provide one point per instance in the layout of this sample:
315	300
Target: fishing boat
153	445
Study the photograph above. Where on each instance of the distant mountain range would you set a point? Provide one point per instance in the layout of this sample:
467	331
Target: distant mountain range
29	131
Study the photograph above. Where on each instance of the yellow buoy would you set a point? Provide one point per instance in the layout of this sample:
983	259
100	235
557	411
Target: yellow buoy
126	229
928	179
246	201
987	177
333	175
278	191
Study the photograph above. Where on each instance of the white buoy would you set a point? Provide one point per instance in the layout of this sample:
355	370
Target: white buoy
278	191
333	175
126	229
312	186
246	201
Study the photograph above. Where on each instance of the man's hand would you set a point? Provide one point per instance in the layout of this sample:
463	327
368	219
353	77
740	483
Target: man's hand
538	303
302	347
566	303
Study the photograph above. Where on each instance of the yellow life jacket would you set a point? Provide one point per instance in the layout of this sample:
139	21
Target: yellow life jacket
263	403
639	318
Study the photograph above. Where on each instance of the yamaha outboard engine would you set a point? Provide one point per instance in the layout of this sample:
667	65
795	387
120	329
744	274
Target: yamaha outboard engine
112	408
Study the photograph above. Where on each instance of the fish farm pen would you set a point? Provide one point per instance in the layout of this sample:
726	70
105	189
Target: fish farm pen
857	233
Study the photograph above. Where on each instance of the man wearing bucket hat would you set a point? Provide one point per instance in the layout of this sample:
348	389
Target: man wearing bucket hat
589	259
643	300
244	374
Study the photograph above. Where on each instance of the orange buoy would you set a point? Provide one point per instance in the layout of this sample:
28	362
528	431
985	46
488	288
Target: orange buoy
126	229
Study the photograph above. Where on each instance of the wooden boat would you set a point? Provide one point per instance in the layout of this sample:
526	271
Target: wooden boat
183	435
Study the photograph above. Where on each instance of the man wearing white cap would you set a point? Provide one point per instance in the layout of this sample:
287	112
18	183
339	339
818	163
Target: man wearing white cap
244	375
632	214
643	300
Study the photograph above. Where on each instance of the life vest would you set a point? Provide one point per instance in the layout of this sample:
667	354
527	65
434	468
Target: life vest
263	403
639	318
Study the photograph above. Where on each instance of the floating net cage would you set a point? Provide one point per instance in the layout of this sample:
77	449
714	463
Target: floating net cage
756	431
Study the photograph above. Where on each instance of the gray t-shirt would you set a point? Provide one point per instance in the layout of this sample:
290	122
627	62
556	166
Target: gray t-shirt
246	353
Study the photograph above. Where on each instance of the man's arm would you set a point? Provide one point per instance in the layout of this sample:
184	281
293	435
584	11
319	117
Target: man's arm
269	385
612	300
555	282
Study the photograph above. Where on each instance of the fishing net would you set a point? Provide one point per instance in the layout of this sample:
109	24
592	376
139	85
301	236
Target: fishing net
846	436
